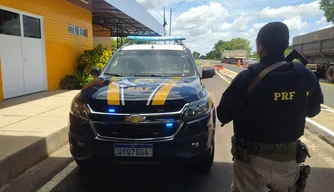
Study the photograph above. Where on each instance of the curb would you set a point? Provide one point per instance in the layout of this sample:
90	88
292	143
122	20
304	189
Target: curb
17	163
319	131
314	127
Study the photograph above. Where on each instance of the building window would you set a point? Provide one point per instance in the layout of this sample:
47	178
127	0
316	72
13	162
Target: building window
82	32
78	31
32	27
10	23
71	29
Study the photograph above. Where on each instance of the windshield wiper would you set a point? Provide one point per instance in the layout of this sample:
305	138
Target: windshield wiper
150	75
114	74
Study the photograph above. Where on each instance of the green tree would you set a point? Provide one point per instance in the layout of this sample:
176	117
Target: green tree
196	54
121	41
233	44
254	54
214	54
240	43
328	7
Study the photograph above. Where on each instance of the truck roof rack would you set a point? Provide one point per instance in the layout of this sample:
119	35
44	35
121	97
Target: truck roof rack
177	40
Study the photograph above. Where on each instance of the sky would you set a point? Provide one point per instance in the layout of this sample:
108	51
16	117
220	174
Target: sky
204	22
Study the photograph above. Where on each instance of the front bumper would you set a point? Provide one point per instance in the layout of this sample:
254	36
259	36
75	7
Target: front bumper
86	144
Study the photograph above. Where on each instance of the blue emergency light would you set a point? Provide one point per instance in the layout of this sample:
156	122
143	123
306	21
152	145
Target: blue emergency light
169	125
156	38
111	110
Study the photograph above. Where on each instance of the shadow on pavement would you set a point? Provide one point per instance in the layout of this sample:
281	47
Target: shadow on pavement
122	178
146	178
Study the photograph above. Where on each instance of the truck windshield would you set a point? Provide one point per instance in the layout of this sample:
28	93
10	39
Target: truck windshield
151	63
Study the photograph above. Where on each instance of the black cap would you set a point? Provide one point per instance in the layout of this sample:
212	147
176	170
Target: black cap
274	37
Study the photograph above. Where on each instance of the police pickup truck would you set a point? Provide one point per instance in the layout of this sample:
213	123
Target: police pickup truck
147	104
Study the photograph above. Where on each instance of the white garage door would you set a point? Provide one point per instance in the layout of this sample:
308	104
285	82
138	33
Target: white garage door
21	52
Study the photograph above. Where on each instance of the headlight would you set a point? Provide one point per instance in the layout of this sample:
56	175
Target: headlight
79	109
197	109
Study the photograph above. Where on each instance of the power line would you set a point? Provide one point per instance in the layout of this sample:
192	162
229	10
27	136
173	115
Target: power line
153	7
171	11
179	5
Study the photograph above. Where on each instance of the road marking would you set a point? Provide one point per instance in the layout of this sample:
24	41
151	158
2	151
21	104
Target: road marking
320	126
58	178
231	71
223	77
331	109
328	84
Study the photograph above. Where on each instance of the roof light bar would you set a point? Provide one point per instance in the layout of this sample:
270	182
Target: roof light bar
155	38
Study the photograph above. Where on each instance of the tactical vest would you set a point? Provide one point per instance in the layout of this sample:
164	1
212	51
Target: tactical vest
275	111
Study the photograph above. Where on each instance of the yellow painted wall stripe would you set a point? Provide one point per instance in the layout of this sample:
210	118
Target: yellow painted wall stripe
161	96
113	93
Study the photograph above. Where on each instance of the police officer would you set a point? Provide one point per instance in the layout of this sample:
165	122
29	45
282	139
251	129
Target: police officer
269	120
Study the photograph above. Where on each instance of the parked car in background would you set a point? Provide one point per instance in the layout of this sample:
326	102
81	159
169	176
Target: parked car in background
251	61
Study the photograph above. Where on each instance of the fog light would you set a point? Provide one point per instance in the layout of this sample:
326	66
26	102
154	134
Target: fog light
195	145
80	144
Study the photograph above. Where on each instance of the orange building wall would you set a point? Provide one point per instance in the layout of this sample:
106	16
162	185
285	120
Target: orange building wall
62	48
102	36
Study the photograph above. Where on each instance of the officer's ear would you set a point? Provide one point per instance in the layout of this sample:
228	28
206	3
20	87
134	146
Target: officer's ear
260	49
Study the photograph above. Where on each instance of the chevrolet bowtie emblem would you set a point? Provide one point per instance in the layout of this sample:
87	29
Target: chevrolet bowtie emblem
134	119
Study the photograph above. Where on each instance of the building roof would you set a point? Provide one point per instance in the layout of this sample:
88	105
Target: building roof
125	18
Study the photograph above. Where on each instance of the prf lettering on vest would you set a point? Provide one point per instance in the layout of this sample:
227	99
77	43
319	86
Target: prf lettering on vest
283	96
139	88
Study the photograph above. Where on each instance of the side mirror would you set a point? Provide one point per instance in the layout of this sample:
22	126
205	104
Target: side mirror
95	72
208	72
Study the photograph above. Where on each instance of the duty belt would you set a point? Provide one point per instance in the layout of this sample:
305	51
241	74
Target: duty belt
278	152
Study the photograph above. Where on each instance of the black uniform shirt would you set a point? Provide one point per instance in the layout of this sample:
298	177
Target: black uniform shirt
276	110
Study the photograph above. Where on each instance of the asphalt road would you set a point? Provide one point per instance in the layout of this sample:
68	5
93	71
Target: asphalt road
174	178
327	88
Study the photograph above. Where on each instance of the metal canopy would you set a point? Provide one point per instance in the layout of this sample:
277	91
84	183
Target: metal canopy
121	20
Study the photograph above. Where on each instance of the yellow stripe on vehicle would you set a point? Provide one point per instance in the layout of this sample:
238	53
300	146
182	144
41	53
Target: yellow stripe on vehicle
113	96
161	96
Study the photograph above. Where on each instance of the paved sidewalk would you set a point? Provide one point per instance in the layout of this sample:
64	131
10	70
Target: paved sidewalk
321	125
31	128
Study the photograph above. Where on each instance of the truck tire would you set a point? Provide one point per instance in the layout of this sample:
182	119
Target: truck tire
330	74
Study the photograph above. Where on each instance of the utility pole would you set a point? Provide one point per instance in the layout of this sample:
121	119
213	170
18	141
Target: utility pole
164	23
170	22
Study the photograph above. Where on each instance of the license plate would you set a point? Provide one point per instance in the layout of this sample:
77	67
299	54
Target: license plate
133	150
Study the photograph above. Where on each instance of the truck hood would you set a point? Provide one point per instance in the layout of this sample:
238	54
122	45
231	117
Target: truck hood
141	95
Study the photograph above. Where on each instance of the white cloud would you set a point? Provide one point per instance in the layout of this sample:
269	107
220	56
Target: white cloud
323	24
322	21
239	24
327	26
204	25
295	23
304	10
203	19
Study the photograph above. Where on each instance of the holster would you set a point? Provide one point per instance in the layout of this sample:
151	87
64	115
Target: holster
304	172
302	152
239	151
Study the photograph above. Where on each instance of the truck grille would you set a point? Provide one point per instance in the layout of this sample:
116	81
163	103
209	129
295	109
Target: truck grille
136	130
